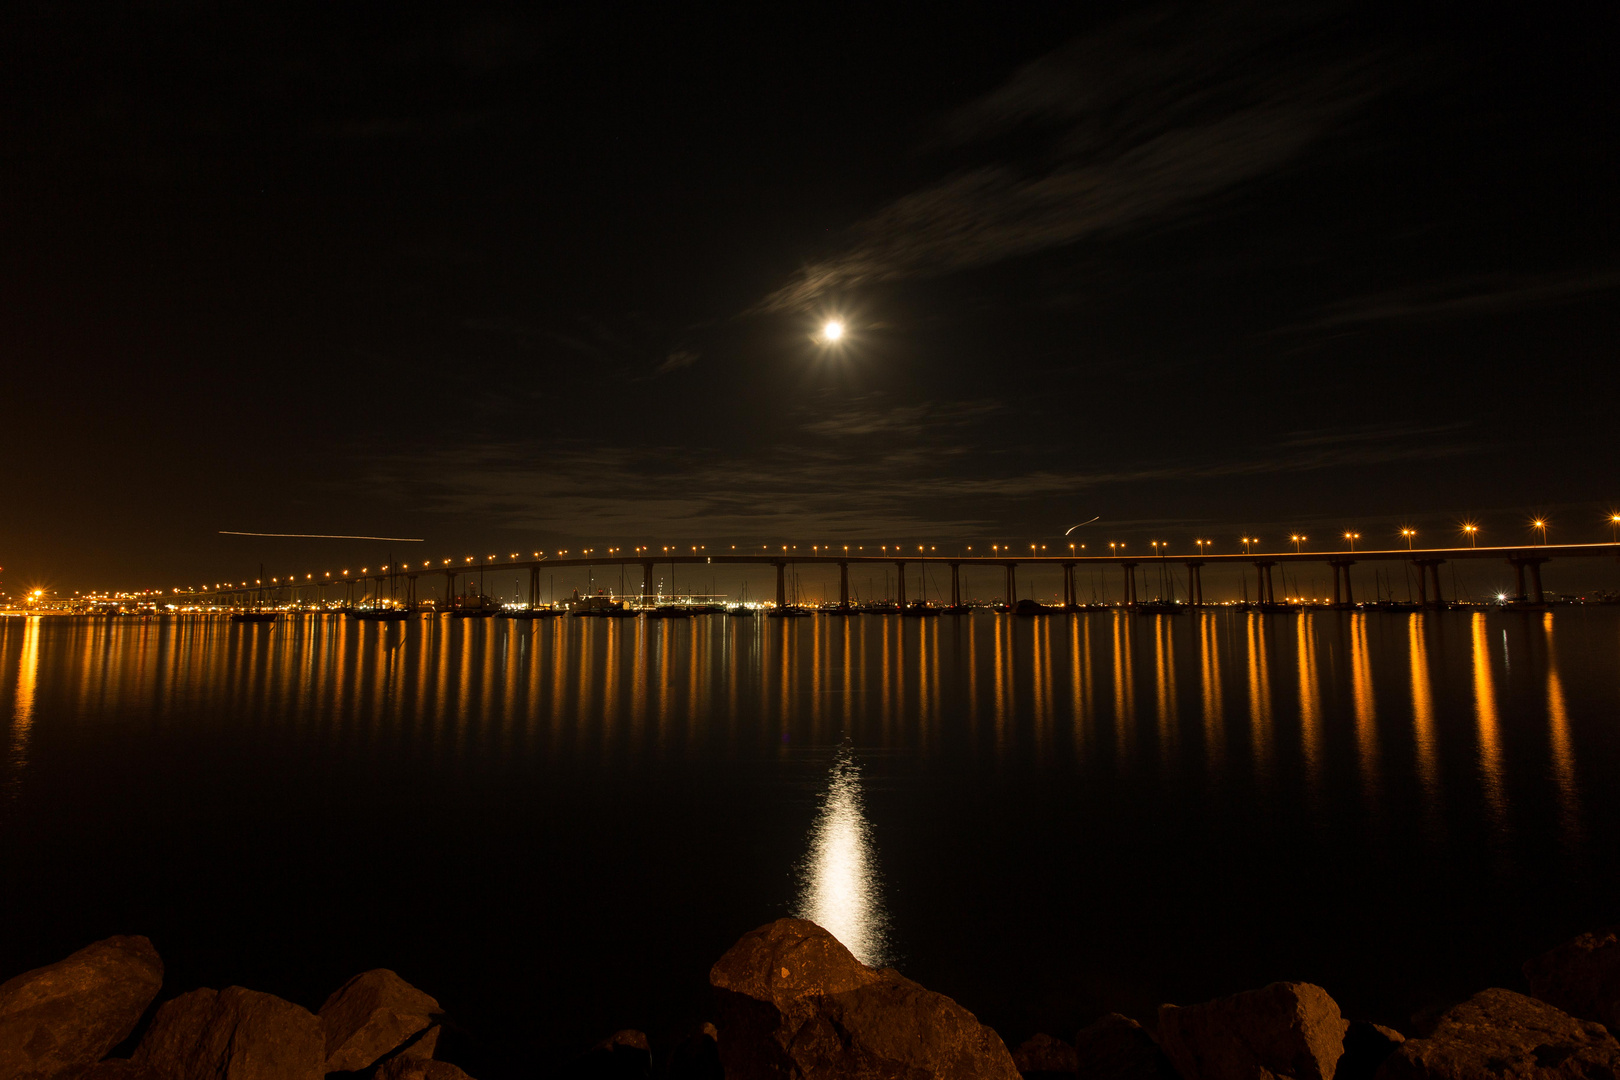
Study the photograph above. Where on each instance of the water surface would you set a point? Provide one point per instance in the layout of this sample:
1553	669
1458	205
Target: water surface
557	827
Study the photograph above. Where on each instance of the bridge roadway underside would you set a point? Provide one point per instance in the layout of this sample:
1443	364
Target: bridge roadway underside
1524	558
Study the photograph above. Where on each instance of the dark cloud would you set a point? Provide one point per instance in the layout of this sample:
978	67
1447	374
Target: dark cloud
943	486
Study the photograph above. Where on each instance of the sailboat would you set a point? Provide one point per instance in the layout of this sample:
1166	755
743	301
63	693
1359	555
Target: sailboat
256	613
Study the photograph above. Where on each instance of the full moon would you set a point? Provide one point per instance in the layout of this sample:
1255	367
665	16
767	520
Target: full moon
833	330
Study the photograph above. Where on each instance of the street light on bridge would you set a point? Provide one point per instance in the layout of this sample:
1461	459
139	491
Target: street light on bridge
1247	540
1471	531
1540	524
1298	539
1409	534
1351	538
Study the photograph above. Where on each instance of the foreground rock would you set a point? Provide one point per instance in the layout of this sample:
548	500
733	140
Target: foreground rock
418	1068
1118	1048
370	1015
793	1002
1500	1033
1286	1030
69	1014
1581	977
233	1034
1041	1054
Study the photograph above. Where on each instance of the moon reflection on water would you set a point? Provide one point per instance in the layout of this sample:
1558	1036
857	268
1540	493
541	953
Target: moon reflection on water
840	888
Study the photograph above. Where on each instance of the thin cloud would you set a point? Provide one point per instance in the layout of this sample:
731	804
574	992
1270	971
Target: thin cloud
1152	117
1460	299
675	361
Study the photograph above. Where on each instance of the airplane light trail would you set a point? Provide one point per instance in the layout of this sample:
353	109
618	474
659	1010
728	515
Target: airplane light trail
1071	528
327	536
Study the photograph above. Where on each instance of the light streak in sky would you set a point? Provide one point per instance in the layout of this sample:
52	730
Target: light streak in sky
327	536
1071	528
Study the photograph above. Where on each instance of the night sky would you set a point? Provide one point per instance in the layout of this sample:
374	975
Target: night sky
512	277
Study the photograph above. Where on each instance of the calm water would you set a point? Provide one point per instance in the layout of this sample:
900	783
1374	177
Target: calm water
557	827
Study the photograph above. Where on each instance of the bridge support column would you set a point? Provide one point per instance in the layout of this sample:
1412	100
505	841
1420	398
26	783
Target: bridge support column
646	582
1262	573
534	587
1427	569
843	585
956	584
1068	585
410	592
1533	564
900	576
1012	584
781	585
1130	583
1346	599
1195	584
449	589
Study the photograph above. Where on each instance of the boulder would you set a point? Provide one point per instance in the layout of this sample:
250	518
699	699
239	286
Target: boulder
793	1002
1581	977
370	1015
1286	1029
116	1069
1044	1054
1498	1033
1118	1048
414	1068
233	1034
624	1055
69	1014
1365	1048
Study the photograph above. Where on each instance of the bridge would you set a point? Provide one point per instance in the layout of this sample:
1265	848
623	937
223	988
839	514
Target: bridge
1526	560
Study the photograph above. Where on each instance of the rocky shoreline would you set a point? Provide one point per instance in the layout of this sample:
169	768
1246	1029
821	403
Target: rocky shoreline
789	1001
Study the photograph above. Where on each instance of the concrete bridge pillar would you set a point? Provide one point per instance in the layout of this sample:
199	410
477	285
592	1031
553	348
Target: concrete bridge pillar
410	591
1533	564
1262	574
1342	567
1012	584
534	587
1195	584
1427	569
843	585
1068	585
646	581
900	576
781	585
1130	583
956	584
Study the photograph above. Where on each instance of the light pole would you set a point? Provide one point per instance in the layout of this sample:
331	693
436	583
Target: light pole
1472	531
1540	524
1351	538
1298	539
1408	533
1247	540
1614	527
